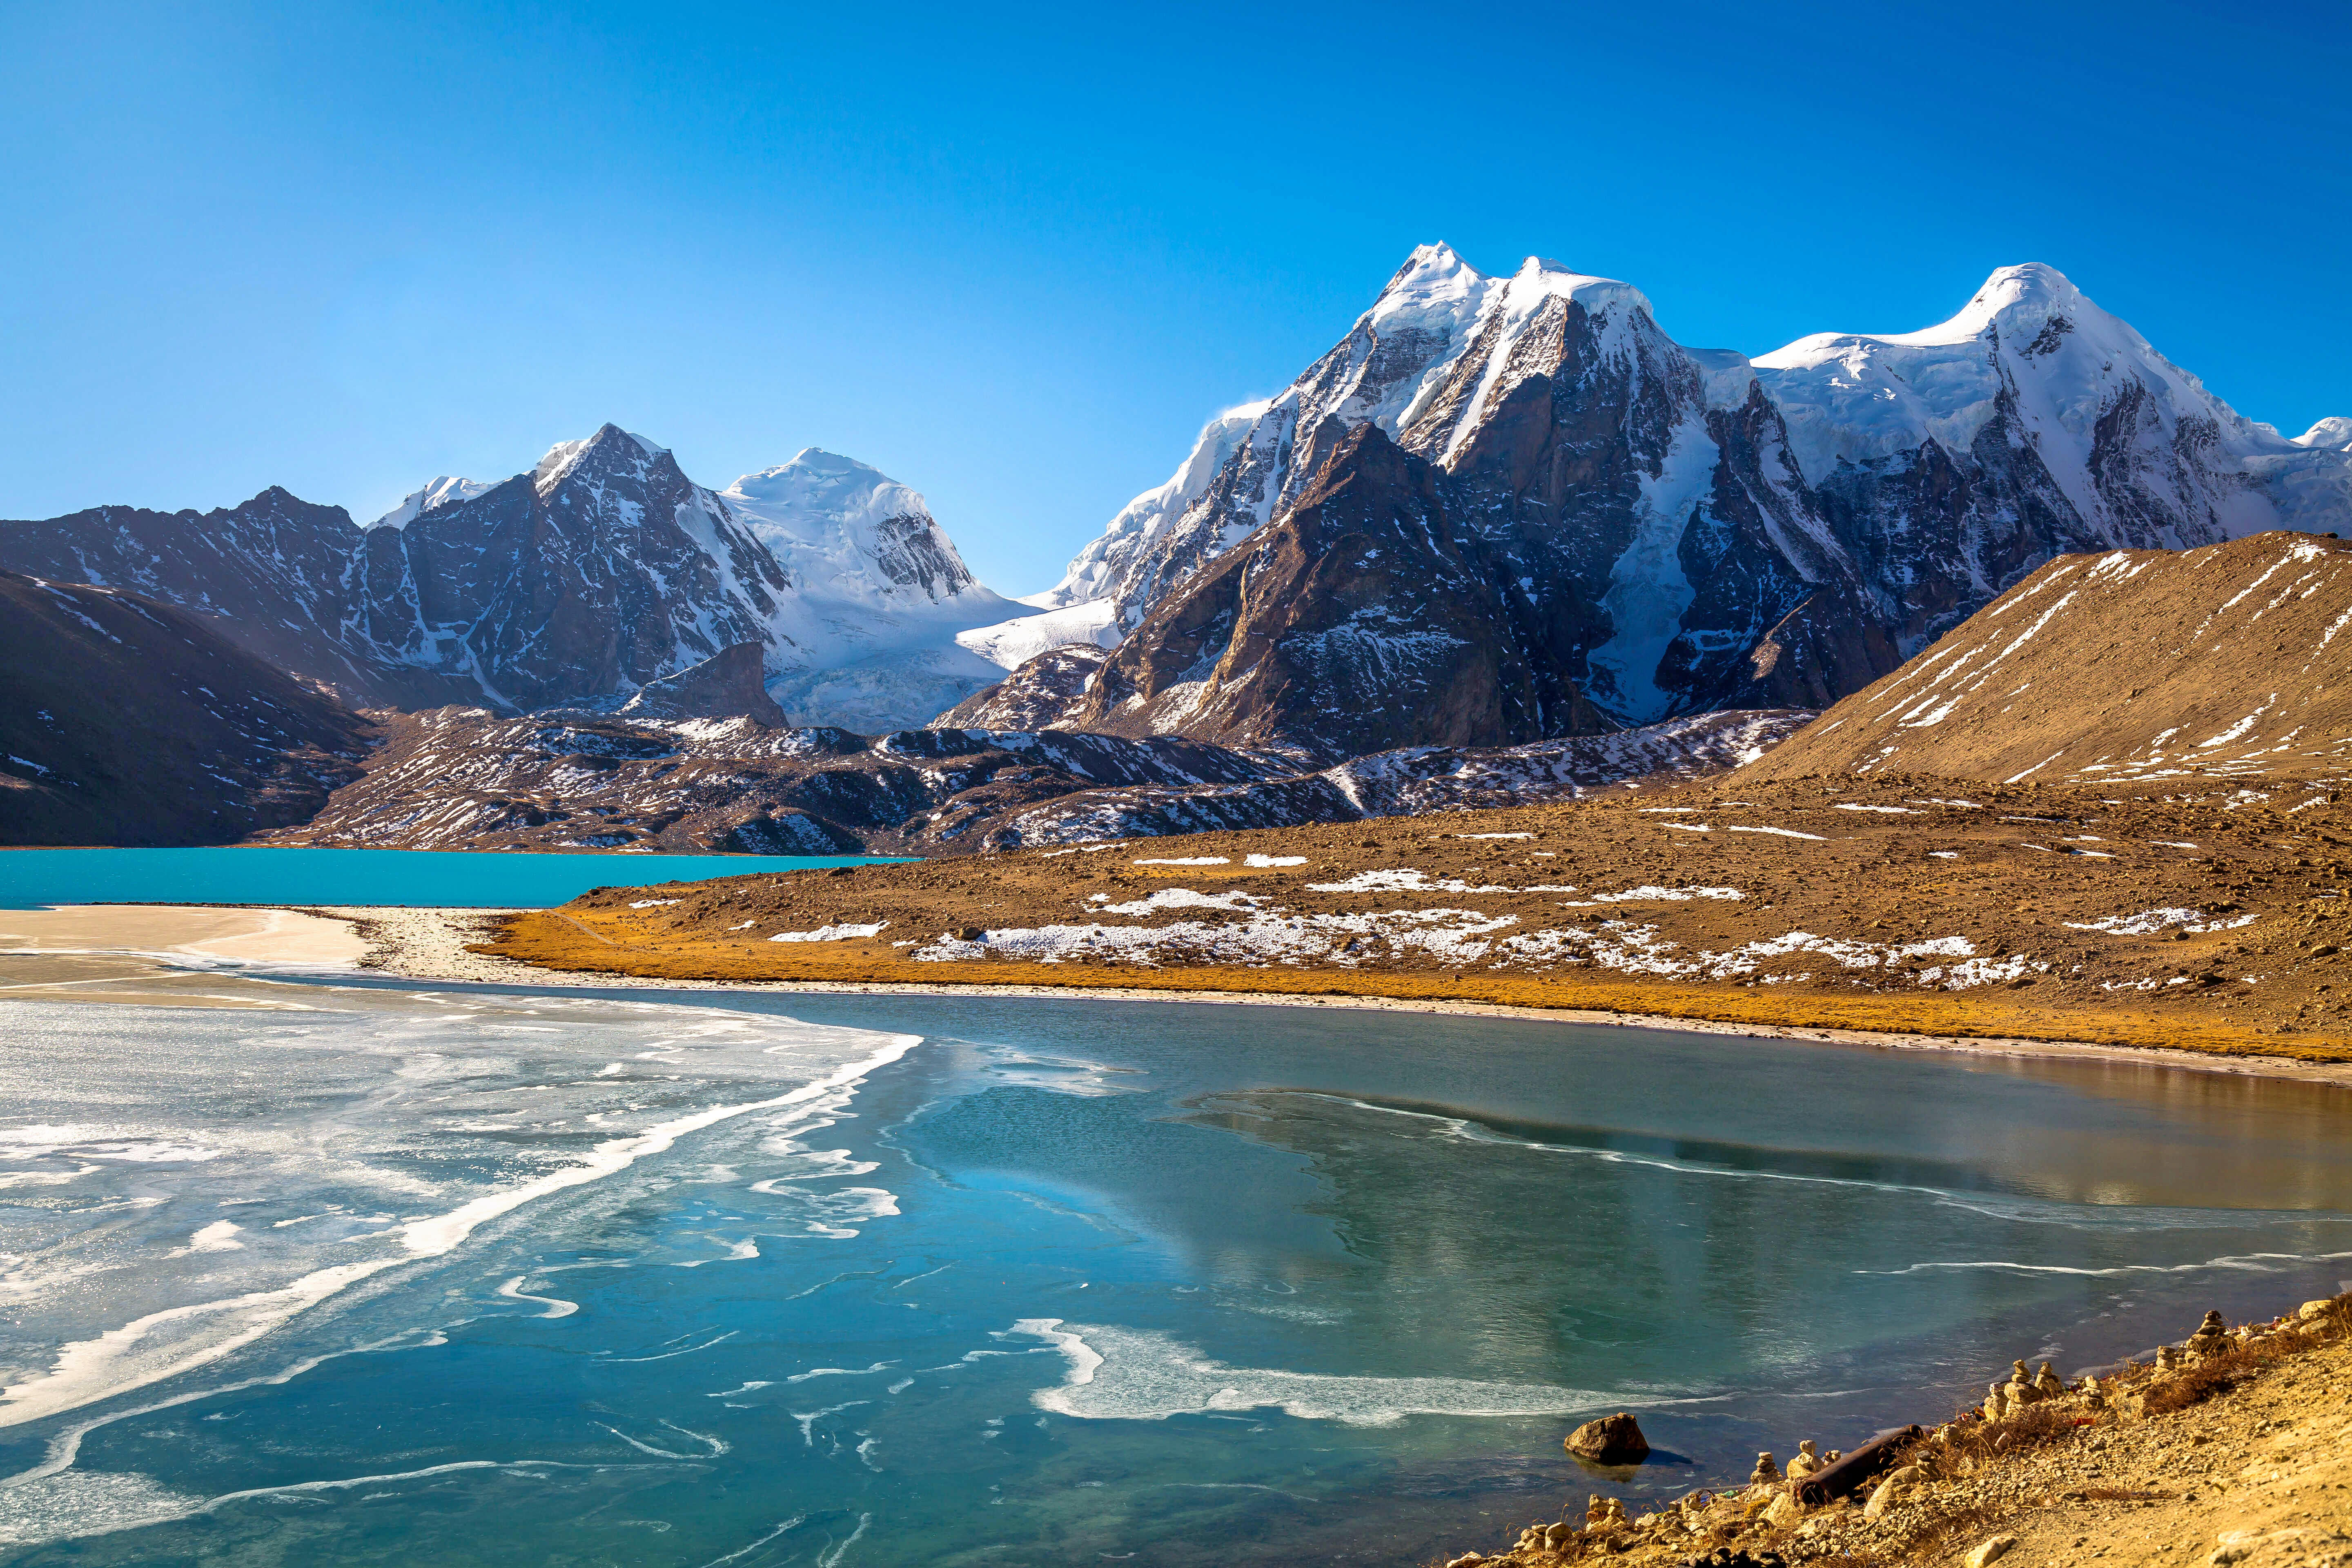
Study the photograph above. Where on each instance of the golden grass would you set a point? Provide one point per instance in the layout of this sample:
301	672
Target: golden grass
588	941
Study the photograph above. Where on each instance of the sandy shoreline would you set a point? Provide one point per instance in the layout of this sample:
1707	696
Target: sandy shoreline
431	944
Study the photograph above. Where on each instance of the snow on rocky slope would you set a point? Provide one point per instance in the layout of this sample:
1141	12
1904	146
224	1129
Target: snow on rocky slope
1676	529
467	778
442	491
1411	782
2232	661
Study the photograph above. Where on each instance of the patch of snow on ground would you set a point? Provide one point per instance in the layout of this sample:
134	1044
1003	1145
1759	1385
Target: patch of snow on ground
830	934
1178	899
1784	833
1404	881
1265	860
1651	894
1271	936
1190	860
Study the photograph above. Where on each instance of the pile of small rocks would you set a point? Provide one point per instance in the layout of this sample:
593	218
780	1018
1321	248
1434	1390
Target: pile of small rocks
1909	1493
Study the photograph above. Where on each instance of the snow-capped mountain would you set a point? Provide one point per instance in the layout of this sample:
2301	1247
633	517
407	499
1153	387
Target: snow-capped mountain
869	634
600	572
1666	529
442	491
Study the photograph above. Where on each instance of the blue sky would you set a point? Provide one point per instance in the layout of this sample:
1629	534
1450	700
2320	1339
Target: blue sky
1016	258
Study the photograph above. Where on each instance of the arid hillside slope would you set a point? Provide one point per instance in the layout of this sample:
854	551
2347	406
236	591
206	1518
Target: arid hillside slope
2135	668
128	721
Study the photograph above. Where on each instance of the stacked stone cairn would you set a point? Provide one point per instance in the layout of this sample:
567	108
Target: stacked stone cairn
1768	1505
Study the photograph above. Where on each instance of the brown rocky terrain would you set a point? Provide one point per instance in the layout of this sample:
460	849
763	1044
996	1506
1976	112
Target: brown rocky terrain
2233	1447
2128	669
2207	920
464	778
128	721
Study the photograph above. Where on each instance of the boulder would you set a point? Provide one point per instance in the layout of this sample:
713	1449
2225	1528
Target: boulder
1806	1462
1989	1551
1612	1440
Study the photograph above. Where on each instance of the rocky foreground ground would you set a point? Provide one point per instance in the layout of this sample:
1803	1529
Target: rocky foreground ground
2233	1447
2207	918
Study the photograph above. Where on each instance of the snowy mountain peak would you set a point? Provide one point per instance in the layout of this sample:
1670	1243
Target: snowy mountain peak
2332	434
1433	277
1540	278
2011	298
610	444
816	496
443	490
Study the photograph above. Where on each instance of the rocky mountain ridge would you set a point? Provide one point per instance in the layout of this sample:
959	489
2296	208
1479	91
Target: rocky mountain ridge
602	569
1672	529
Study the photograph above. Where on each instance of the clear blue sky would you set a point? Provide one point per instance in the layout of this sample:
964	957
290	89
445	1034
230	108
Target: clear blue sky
1014	257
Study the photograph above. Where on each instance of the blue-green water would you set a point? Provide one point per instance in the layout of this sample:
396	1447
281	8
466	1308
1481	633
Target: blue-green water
412	878
457	1277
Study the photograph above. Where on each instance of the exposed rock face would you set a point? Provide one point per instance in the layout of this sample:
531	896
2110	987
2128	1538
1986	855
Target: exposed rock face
2128	666
1612	1440
128	721
1678	529
724	686
602	568
1355	623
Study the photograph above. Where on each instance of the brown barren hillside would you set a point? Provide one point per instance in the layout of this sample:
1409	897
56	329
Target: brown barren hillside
2135	667
2210	924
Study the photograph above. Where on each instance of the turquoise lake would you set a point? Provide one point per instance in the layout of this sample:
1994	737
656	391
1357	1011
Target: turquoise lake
415	878
455	1275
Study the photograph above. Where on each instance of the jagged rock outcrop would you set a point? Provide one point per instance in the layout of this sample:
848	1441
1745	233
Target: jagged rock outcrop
725	686
1035	695
1354	624
128	721
273	575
